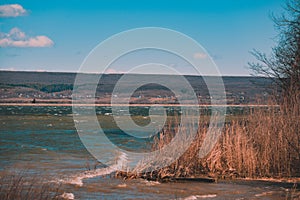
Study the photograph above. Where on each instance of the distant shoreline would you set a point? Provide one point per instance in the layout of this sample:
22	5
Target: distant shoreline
134	105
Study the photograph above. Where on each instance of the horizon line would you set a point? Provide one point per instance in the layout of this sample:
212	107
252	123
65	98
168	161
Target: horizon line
74	72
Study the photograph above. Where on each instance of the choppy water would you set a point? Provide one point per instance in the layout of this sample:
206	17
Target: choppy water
43	141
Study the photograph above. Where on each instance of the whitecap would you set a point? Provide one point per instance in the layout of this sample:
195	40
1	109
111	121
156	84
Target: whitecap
122	185
69	196
264	194
150	183
205	196
78	179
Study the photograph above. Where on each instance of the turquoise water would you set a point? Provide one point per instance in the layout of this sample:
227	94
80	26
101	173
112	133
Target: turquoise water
43	141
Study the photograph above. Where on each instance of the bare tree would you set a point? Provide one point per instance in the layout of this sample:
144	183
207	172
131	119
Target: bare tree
283	65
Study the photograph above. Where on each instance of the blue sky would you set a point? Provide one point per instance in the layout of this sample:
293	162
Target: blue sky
57	35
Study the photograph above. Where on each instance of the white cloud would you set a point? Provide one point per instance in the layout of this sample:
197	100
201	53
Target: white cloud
12	10
17	38
200	55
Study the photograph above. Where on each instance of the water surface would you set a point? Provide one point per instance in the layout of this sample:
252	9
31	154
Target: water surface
44	142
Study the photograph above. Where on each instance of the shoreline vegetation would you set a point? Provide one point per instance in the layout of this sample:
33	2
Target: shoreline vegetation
265	144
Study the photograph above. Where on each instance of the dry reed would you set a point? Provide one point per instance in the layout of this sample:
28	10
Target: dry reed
264	143
22	187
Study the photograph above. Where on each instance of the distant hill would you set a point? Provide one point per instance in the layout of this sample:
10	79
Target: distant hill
57	85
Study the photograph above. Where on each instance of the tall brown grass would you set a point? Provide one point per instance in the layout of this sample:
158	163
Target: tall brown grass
20	186
263	143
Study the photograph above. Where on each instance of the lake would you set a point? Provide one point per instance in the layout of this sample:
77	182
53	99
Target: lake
42	141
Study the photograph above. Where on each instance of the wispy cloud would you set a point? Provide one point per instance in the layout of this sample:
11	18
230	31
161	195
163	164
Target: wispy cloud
17	38
200	55
12	10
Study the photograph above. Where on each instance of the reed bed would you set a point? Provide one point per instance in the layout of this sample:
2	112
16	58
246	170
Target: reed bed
262	144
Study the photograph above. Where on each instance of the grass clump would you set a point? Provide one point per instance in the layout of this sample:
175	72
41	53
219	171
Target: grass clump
23	187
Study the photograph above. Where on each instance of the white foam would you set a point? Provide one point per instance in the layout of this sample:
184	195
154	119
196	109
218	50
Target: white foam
151	183
205	196
264	194
122	185
69	196
78	179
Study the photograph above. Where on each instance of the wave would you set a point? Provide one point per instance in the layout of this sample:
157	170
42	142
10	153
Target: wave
194	197
149	183
69	196
264	194
78	179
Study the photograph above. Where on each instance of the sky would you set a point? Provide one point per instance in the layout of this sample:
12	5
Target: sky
57	35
